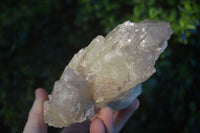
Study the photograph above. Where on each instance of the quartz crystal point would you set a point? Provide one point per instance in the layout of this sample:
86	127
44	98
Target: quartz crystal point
107	73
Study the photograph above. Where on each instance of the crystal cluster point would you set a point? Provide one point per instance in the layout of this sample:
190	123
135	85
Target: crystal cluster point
108	72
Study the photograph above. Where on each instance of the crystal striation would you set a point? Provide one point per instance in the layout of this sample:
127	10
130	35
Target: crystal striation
107	73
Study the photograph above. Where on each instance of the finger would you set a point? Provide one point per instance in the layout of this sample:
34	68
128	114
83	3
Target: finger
105	118
121	117
97	126
35	123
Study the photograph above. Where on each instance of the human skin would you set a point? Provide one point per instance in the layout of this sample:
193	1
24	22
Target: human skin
104	122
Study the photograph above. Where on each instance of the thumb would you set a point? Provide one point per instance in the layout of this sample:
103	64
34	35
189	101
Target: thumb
35	123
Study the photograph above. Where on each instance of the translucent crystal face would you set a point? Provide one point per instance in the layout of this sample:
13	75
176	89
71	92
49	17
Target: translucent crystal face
107	72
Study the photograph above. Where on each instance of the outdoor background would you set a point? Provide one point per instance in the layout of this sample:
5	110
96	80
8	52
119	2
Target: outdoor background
39	37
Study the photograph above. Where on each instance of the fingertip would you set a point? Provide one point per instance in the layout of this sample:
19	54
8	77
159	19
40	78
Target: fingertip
36	111
121	117
105	112
134	106
37	108
106	115
137	103
97	126
35	119
41	93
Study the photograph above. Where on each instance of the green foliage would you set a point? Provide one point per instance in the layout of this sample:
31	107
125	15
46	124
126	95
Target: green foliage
38	38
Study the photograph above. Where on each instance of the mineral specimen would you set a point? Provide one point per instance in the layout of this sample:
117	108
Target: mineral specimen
107	73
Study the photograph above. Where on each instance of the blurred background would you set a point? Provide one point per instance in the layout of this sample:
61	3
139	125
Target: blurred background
39	37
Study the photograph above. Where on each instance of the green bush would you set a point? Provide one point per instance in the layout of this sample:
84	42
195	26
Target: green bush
38	38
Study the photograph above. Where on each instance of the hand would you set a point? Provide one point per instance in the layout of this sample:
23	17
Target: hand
104	122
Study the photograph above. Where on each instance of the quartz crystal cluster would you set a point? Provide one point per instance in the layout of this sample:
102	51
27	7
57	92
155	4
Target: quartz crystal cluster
108	72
